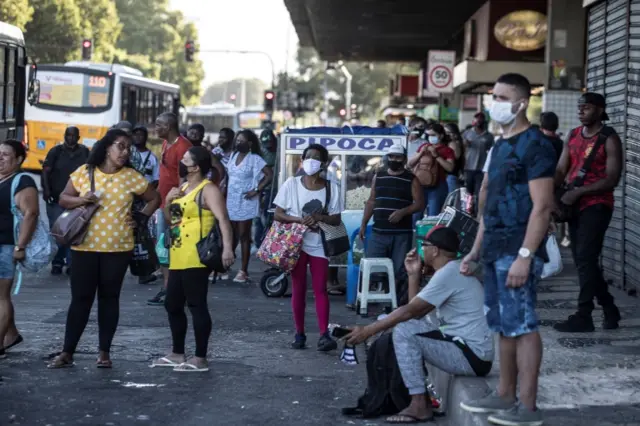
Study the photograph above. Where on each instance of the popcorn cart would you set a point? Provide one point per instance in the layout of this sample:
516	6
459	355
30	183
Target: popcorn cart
355	154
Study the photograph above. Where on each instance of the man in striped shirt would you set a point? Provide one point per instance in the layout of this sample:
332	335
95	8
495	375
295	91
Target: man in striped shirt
396	195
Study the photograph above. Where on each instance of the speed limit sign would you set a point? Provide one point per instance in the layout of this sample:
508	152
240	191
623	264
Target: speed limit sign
440	71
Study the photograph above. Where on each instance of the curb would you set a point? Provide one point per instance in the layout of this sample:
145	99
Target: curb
455	389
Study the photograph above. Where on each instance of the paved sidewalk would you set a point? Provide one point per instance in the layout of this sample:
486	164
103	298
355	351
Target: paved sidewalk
586	379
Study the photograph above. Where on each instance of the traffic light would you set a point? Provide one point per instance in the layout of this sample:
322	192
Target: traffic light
232	97
87	49
343	112
269	100
189	50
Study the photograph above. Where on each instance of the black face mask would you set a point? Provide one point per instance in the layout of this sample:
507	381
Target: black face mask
243	148
396	165
183	170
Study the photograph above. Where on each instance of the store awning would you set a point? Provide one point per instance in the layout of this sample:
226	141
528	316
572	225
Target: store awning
380	30
479	77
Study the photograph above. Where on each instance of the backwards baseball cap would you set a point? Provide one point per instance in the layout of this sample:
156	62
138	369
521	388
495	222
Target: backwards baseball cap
444	238
595	99
126	126
397	149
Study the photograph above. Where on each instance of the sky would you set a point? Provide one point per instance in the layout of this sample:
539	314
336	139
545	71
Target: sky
257	25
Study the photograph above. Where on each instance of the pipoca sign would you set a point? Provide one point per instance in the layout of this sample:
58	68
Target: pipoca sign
351	143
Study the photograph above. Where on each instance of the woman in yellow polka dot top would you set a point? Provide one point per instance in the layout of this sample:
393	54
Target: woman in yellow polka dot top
102	259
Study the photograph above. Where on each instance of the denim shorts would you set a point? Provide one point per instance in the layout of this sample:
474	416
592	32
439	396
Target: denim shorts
511	311
7	267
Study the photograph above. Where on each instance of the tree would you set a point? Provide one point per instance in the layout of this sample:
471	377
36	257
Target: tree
369	86
221	92
149	28
100	22
54	32
16	12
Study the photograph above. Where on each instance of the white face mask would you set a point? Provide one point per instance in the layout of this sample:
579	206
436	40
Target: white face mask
433	140
311	166
501	112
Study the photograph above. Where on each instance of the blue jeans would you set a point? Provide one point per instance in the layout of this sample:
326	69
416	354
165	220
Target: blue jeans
434	199
511	311
7	265
259	222
63	255
452	183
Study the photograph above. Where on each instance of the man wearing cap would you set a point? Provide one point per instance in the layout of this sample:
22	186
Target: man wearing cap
395	196
592	202
459	342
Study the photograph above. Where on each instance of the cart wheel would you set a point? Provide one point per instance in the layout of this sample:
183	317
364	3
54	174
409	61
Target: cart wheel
271	288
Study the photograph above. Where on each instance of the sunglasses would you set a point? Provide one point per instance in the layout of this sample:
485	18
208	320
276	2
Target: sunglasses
122	147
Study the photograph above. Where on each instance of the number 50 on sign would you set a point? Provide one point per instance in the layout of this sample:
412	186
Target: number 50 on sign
440	71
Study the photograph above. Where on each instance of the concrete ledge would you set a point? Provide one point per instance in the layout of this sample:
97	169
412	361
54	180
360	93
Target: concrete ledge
453	390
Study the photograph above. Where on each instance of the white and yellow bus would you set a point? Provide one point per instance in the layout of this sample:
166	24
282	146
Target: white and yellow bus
92	97
13	87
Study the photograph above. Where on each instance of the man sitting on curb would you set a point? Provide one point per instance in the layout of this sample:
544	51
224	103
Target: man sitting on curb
461	344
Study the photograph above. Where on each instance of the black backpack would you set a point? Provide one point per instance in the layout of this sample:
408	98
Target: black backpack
386	393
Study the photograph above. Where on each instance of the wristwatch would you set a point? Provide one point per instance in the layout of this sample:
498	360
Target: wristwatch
524	253
18	249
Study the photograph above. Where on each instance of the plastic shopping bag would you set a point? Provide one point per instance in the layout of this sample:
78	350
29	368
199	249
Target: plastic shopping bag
162	252
554	265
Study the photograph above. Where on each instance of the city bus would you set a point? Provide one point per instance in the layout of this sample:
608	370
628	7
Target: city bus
92	97
13	87
221	114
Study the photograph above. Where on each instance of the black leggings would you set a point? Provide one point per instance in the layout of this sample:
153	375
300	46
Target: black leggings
93	271
190	286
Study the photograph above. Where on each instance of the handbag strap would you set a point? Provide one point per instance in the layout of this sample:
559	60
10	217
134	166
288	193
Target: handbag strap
327	188
586	166
199	201
92	179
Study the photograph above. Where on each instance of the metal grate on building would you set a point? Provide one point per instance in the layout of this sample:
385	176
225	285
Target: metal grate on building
613	69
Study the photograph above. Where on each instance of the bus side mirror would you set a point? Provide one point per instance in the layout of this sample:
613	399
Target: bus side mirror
33	94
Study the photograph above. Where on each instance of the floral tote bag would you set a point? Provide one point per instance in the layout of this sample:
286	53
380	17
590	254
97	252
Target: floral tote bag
282	246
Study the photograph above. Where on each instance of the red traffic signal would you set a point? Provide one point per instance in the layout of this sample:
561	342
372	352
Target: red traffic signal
87	49
343	112
269	100
189	50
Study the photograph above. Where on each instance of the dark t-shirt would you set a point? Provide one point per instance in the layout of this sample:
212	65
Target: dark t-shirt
6	217
62	162
558	145
515	162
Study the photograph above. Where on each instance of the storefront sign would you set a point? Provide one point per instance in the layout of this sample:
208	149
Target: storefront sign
523	30
350	143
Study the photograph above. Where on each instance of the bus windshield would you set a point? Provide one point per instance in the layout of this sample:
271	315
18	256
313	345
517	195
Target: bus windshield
212	123
77	90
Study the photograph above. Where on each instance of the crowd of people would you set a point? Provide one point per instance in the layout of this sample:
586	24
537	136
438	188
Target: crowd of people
518	181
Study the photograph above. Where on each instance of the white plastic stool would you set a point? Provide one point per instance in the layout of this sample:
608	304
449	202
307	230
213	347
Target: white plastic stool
367	267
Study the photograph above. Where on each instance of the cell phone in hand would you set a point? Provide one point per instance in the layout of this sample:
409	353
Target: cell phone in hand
340	332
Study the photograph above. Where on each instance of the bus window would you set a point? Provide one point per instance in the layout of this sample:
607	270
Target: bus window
2	81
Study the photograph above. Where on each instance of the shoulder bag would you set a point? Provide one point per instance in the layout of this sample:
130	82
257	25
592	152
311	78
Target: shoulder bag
72	225
210	247
41	249
282	245
334	237
563	212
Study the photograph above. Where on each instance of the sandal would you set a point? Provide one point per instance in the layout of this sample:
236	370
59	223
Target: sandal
59	362
186	367
16	342
165	362
104	363
241	278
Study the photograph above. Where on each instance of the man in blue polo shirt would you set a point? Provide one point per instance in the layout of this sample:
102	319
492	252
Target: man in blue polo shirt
510	240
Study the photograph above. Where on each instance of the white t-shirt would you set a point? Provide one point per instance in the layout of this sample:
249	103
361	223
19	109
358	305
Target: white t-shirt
298	201
151	169
487	163
459	301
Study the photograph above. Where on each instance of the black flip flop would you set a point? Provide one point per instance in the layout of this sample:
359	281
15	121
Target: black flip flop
16	342
407	419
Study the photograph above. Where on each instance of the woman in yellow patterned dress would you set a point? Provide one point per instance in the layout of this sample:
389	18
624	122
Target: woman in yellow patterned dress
103	257
192	211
